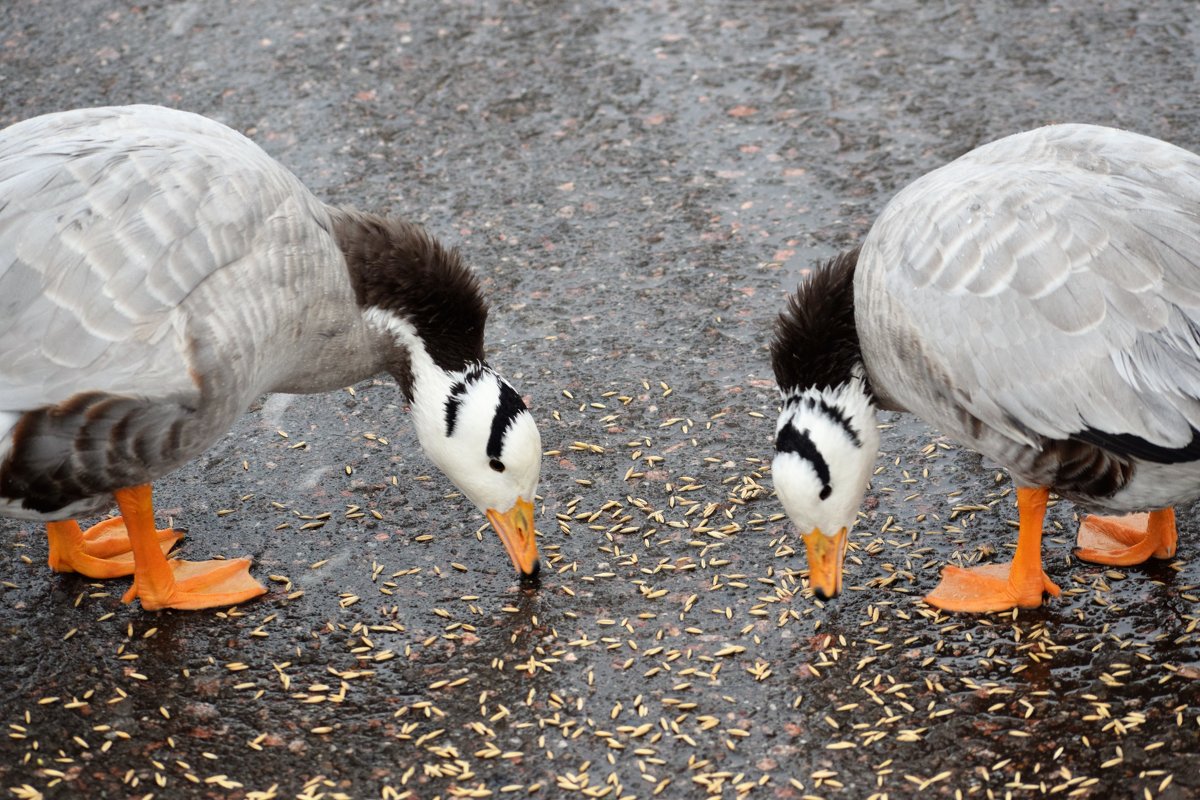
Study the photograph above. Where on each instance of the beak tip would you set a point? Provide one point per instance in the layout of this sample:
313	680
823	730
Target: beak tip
516	530
825	556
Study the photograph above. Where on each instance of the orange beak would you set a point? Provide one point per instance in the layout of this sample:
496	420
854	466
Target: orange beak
825	555
515	528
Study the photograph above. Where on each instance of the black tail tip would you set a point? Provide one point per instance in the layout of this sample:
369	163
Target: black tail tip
533	576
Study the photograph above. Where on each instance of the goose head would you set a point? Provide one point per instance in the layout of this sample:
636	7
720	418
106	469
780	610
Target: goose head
478	431
825	438
427	314
825	445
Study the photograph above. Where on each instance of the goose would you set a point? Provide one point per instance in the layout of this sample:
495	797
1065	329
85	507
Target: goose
158	272
1037	300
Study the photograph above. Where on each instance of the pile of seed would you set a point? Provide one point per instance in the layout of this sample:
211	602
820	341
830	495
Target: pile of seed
672	648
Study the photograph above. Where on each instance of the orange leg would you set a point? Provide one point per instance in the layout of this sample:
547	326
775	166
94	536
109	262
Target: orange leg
102	551
998	587
1128	540
160	583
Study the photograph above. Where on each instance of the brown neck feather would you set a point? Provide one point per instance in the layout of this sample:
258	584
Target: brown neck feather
397	266
816	341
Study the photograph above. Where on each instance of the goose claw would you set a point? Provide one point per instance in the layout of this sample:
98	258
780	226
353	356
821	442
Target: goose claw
195	584
1127	540
989	588
102	551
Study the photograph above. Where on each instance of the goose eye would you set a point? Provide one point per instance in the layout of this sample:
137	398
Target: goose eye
496	464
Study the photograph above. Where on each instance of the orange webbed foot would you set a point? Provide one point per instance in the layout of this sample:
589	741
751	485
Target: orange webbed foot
1127	540
988	588
193	585
160	583
102	551
999	587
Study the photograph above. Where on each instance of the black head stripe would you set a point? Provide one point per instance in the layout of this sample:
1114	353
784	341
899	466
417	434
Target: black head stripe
452	404
833	412
837	415
791	440
454	399
509	408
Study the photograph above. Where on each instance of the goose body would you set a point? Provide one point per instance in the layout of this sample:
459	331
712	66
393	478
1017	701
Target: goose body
1038	299
159	271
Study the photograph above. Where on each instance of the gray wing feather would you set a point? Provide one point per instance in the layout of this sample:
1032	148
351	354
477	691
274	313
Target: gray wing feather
1050	281
109	220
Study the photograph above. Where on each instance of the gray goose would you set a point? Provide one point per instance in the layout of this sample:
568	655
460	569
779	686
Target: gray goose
1038	300
158	272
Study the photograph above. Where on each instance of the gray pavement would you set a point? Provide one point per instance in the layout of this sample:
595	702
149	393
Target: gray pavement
639	186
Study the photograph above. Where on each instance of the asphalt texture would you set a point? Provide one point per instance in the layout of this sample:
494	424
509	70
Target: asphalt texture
639	185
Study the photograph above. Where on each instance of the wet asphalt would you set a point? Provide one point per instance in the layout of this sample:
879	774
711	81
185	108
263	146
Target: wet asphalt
639	186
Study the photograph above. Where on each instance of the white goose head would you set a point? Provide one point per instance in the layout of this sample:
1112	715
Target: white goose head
470	421
826	439
479	432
